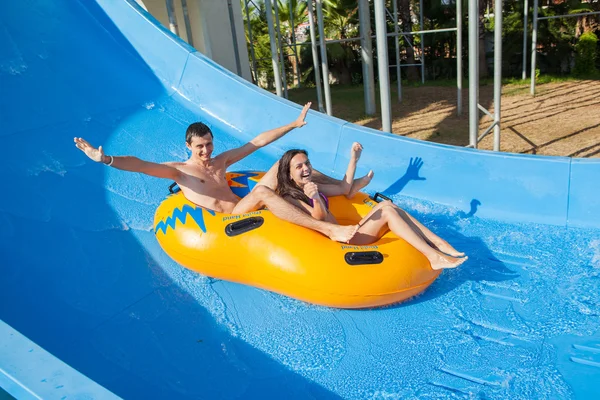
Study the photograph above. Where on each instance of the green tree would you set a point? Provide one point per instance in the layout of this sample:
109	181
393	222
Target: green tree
405	19
585	58
341	22
292	11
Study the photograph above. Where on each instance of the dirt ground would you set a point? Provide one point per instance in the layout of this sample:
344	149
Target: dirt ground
563	119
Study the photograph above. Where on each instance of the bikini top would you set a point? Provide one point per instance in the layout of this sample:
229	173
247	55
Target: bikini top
325	200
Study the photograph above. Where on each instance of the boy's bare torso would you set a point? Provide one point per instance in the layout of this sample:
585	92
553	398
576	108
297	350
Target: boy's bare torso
206	186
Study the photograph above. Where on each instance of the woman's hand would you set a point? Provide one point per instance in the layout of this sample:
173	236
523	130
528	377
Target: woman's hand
318	210
311	190
356	151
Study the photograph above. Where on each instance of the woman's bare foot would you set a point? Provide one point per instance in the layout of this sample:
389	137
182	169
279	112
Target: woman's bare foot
455	253
360	183
342	233
451	251
445	247
443	262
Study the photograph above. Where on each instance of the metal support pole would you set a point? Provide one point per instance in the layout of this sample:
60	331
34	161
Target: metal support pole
525	12
293	33
315	53
274	60
473	72
421	32
488	130
397	47
569	15
280	41
366	53
172	17
497	71
186	21
459	66
533	46
485	111
252	54
236	50
382	64
324	65
422	42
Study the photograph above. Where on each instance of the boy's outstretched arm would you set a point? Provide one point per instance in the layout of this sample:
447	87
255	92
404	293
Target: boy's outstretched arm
128	163
234	155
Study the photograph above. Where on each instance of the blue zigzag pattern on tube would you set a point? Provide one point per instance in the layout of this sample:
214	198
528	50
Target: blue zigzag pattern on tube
196	213
244	180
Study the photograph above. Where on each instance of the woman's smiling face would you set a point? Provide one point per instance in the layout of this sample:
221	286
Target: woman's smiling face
300	169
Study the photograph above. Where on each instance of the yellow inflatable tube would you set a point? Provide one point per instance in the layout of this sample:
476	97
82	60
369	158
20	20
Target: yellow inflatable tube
260	250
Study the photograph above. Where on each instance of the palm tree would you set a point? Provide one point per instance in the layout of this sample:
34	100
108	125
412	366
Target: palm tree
261	43
292	11
405	17
341	22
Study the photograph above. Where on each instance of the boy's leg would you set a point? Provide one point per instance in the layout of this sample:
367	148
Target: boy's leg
359	184
270	178
322	179
333	187
262	196
327	185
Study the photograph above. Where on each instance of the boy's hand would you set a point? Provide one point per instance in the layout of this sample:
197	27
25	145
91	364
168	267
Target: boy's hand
300	122
96	154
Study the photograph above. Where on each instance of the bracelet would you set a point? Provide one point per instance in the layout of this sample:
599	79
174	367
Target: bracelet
111	161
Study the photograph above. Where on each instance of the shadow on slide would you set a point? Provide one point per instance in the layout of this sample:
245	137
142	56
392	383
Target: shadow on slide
82	274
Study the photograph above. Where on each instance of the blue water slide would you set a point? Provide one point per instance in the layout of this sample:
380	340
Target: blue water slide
91	307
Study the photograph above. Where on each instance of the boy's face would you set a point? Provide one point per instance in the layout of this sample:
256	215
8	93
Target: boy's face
201	147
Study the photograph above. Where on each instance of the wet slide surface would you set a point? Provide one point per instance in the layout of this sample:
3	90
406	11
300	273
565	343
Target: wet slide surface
84	279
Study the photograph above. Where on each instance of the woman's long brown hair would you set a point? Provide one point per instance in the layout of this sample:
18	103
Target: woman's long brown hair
285	185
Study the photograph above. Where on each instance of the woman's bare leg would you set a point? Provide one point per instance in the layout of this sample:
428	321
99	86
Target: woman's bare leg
386	217
434	240
438	242
262	196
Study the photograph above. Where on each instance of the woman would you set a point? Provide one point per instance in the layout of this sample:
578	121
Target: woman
295	185
347	186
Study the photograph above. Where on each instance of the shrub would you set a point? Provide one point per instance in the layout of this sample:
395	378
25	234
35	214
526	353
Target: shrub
585	58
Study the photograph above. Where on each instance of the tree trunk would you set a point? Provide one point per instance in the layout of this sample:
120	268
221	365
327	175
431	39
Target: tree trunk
340	64
344	75
412	73
585	24
293	63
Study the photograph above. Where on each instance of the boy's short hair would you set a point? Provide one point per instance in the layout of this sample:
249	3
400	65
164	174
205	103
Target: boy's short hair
197	129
